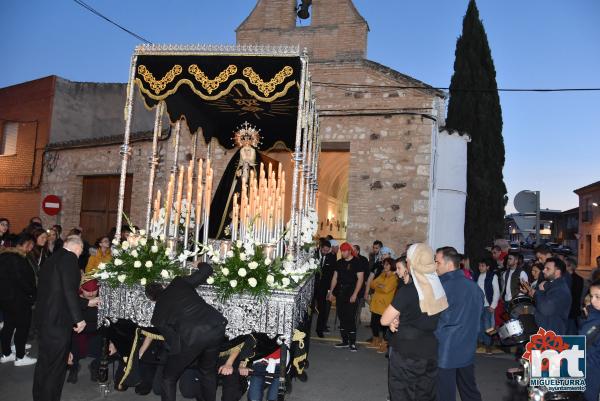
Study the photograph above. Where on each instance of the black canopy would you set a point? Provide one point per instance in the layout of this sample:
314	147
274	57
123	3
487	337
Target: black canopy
219	92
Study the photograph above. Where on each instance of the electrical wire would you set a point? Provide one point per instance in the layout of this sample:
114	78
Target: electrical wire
355	88
99	14
352	88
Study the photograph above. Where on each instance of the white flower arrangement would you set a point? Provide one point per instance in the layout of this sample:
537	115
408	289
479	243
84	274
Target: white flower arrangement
140	250
247	266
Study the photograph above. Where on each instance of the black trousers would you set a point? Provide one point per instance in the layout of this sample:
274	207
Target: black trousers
411	379
206	352
51	366
346	312
323	307
17	320
94	348
232	388
463	378
376	326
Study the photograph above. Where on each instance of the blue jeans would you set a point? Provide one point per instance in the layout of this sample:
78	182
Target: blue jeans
257	383
485	322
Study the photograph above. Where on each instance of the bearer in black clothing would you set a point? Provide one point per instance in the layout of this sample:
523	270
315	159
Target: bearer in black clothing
322	282
192	330
58	313
346	283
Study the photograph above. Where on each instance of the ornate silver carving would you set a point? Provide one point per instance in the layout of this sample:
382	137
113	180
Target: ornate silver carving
226	50
278	314
125	147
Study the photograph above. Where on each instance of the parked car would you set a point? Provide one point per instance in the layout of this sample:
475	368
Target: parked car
564	250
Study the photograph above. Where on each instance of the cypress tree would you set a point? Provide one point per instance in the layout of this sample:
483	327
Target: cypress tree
474	108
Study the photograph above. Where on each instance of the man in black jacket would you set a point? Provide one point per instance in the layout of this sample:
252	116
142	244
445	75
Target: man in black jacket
576	284
192	330
17	295
327	262
58	312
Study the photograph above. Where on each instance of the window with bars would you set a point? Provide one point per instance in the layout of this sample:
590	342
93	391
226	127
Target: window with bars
8	139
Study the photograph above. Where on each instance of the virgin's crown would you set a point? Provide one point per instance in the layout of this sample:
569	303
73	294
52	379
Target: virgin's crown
247	135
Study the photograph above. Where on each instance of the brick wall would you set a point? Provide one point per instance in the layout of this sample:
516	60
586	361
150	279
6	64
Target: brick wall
390	152
337	31
29	104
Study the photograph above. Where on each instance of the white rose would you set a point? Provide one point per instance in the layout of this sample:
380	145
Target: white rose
143	281
270	280
143	241
154	249
268	262
182	257
242	256
125	245
225	271
252	265
118	262
168	252
238	243
149	264
285	281
104	275
115	241
161	237
229	254
164	273
210	280
233	283
252	282
142	232
290	257
134	253
121	278
242	272
137	264
102	266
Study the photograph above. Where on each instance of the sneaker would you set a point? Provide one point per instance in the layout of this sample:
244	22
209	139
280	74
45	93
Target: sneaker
353	348
13	349
342	345
7	358
25	361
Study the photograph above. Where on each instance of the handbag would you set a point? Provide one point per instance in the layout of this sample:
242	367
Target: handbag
365	314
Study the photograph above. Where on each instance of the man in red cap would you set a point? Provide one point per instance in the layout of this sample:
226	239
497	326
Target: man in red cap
346	284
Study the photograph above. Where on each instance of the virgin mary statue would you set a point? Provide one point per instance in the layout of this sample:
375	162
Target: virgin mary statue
246	158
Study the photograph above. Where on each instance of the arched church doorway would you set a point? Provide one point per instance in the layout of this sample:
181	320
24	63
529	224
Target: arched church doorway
332	197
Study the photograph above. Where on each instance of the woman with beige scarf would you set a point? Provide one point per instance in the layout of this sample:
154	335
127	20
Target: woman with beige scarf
416	306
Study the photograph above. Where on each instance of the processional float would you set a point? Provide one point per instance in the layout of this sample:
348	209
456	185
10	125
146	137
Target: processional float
243	97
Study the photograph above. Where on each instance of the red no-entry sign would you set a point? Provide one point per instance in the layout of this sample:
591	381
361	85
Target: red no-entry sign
51	205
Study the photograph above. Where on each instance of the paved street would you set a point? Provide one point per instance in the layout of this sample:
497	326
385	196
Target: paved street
334	375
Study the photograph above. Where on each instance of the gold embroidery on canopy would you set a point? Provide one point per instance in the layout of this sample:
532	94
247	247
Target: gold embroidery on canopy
211	84
159	85
219	95
267	87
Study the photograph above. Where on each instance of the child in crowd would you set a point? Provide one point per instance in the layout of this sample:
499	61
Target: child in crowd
488	283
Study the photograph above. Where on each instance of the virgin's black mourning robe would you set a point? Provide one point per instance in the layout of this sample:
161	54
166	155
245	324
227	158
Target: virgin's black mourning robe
231	182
